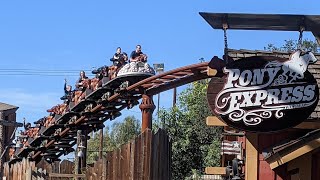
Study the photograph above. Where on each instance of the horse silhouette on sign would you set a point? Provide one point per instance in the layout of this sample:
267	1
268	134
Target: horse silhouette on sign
296	65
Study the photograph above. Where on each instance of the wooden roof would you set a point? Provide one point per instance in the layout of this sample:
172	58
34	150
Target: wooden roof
280	22
4	106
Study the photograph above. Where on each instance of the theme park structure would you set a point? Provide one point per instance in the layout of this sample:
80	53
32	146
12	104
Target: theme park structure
270	118
103	103
250	92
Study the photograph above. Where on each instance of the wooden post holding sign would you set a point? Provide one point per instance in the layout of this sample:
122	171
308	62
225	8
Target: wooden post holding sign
265	94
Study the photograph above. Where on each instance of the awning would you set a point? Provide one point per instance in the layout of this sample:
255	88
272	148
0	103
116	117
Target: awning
286	152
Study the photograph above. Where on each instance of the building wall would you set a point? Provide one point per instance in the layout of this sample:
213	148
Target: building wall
300	168
5	131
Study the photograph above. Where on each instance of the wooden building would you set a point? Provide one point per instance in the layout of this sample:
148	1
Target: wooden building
7	122
290	154
269	146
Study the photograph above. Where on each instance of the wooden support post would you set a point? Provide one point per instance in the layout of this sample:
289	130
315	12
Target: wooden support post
101	144
84	150
77	166
147	107
251	156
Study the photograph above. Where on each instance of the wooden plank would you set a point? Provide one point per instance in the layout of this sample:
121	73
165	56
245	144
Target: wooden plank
154	158
147	154
109	165
216	170
281	22
137	167
214	121
308	125
114	165
132	160
124	162
251	172
58	175
211	72
282	159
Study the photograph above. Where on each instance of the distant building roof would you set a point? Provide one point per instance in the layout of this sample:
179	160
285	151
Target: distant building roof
4	106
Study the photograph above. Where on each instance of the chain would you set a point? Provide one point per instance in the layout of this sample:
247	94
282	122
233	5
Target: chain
225	27
299	45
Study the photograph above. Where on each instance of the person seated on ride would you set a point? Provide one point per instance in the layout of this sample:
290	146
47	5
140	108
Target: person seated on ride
137	55
67	92
119	59
12	152
26	126
80	83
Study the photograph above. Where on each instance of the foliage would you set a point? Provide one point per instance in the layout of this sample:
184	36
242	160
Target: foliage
121	133
291	45
194	144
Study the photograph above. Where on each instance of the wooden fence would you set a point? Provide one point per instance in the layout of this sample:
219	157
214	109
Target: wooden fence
147	157
26	170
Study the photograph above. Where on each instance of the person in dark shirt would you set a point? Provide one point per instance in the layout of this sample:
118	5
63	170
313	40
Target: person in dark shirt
119	58
137	55
79	84
67	92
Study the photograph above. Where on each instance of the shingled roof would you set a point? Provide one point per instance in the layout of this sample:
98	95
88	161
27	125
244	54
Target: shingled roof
4	106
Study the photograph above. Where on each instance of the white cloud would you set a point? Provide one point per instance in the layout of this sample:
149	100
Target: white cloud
31	104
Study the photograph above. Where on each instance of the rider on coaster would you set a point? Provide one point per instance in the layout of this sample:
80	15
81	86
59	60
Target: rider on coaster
137	55
82	78
67	92
119	59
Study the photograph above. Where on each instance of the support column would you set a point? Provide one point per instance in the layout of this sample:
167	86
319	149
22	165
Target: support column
84	150
251	166
147	107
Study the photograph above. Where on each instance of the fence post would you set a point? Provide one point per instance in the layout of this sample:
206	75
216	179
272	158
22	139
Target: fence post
28	174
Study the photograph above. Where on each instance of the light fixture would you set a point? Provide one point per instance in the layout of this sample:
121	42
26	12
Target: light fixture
158	67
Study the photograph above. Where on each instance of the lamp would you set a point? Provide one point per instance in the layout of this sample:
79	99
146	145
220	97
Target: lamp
158	67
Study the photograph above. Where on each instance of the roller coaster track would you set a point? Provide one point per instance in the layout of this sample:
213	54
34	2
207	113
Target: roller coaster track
103	110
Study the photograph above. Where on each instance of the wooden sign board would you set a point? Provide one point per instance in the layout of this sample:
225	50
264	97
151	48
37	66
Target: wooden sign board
265	94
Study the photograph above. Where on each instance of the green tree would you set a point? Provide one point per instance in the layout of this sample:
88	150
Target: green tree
123	132
194	144
291	45
120	133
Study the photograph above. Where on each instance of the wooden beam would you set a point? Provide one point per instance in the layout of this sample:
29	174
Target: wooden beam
251	172
282	159
308	125
211	72
58	175
317	36
214	121
216	170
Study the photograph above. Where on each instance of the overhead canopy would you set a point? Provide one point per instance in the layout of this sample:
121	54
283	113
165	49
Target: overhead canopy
281	22
293	149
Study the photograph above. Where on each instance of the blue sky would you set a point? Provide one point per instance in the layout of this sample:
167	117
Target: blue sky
79	35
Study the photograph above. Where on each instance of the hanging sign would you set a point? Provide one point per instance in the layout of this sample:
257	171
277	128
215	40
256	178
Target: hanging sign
262	94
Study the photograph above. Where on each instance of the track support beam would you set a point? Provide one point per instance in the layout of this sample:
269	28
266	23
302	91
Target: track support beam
147	107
